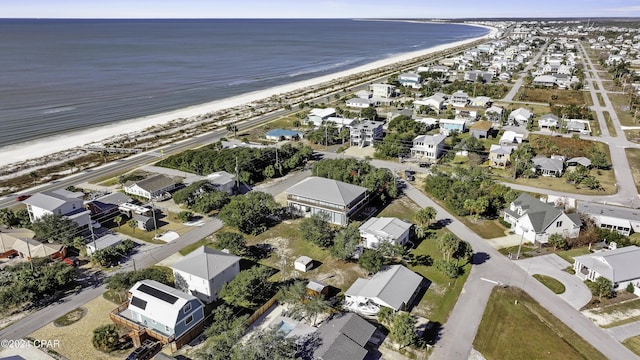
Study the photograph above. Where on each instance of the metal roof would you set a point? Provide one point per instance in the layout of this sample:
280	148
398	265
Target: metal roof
157	307
609	210
616	265
395	285
153	183
326	190
385	227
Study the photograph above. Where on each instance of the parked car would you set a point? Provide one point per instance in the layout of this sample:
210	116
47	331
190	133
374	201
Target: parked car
71	261
148	349
23	197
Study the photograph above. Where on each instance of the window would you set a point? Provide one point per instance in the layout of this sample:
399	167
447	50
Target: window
559	223
166	328
188	320
187	308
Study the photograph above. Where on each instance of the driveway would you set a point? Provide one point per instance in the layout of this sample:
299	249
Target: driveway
623	332
576	294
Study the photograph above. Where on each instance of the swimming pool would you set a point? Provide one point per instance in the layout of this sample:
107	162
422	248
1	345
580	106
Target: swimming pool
285	327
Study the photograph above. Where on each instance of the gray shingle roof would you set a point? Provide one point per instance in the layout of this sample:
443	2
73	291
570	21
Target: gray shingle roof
394	285
548	163
327	190
206	263
385	226
153	183
541	214
608	210
344	337
50	200
616	265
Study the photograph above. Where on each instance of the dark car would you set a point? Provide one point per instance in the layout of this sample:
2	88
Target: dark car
141	353
424	165
23	197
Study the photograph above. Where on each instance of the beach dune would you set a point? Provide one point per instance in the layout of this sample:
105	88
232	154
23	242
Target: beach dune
46	146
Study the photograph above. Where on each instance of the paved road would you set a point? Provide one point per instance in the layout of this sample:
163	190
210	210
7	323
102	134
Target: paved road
461	327
516	86
624	332
576	292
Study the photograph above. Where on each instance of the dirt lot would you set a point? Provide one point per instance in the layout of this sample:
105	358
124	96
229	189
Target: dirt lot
554	96
75	339
548	145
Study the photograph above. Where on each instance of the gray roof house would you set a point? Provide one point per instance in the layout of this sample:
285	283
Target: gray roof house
581	160
536	220
58	202
204	272
395	287
620	266
520	116
151	187
344	337
548	166
160	311
428	146
623	220
376	230
318	195
548	121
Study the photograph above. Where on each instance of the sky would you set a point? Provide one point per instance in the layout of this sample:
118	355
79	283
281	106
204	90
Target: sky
316	8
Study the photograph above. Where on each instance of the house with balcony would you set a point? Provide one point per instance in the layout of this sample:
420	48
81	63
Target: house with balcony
500	155
411	80
536	220
377	230
317	116
435	102
428	146
160	312
383	91
494	113
58	202
204	272
358	103
366	133
337	200
511	138
459	99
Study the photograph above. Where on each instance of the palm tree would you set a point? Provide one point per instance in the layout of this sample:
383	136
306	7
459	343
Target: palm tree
105	153
118	220
133	224
424	216
72	165
7	217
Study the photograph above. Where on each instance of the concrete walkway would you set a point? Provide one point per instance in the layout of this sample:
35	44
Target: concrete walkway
576	292
625	331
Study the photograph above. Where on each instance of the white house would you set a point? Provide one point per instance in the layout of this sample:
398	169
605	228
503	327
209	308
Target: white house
511	138
376	230
435	102
411	80
223	181
459	98
103	242
545	80
204	272
151	187
535	220
624	221
382	90
395	287
520	116
58	202
548	121
366	133
620	266
168	313
552	166
428	146
358	103
317	116
494	113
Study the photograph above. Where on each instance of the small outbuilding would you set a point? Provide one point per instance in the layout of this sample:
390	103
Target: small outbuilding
101	243
303	263
317	288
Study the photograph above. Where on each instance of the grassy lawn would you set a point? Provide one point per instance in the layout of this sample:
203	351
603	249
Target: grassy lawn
606	178
70	317
610	127
632	135
537	110
487	229
553	284
568	255
146	236
189	248
600	99
556	96
402	208
620	103
633	156
526	331
633	344
443	292
513	250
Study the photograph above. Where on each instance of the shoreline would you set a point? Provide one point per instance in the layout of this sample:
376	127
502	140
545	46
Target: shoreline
94	136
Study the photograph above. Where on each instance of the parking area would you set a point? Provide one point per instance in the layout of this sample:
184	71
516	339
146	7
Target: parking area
576	292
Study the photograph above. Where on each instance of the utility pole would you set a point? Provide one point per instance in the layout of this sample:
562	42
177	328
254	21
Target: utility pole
237	175
326	136
155	223
93	236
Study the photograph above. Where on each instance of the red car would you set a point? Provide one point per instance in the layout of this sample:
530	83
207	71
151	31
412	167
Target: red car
72	261
23	197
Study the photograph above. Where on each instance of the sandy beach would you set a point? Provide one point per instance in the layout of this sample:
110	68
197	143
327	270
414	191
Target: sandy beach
50	145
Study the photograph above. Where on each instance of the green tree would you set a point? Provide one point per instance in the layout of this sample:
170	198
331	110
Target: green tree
598	158
105	338
386	316
56	228
369	113
184	216
249	213
602	287
22	218
316	229
463	252
403	331
123	281
118	220
447	244
265	345
448	268
425	216
371	260
249	288
345	242
7	217
558	241
234	242
133	224
34	175
630	288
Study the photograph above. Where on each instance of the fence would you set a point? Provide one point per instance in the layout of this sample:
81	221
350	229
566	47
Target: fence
261	310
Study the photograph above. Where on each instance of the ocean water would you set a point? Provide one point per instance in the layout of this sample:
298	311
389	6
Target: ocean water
62	75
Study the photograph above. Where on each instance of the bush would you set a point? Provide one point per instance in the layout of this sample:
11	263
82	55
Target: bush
184	216
630	288
504	223
448	268
105	338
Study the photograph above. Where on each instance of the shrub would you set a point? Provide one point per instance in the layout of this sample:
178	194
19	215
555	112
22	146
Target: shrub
504	223
105	338
630	288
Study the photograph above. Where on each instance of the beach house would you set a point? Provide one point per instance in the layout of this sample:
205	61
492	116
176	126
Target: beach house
520	116
624	221
377	230
58	202
382	90
338	200
344	336
428	146
536	220
161	312
620	266
317	115
459	99
204	272
411	80
152	187
481	129
366	133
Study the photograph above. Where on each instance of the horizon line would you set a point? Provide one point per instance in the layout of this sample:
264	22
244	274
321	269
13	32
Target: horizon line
321	18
